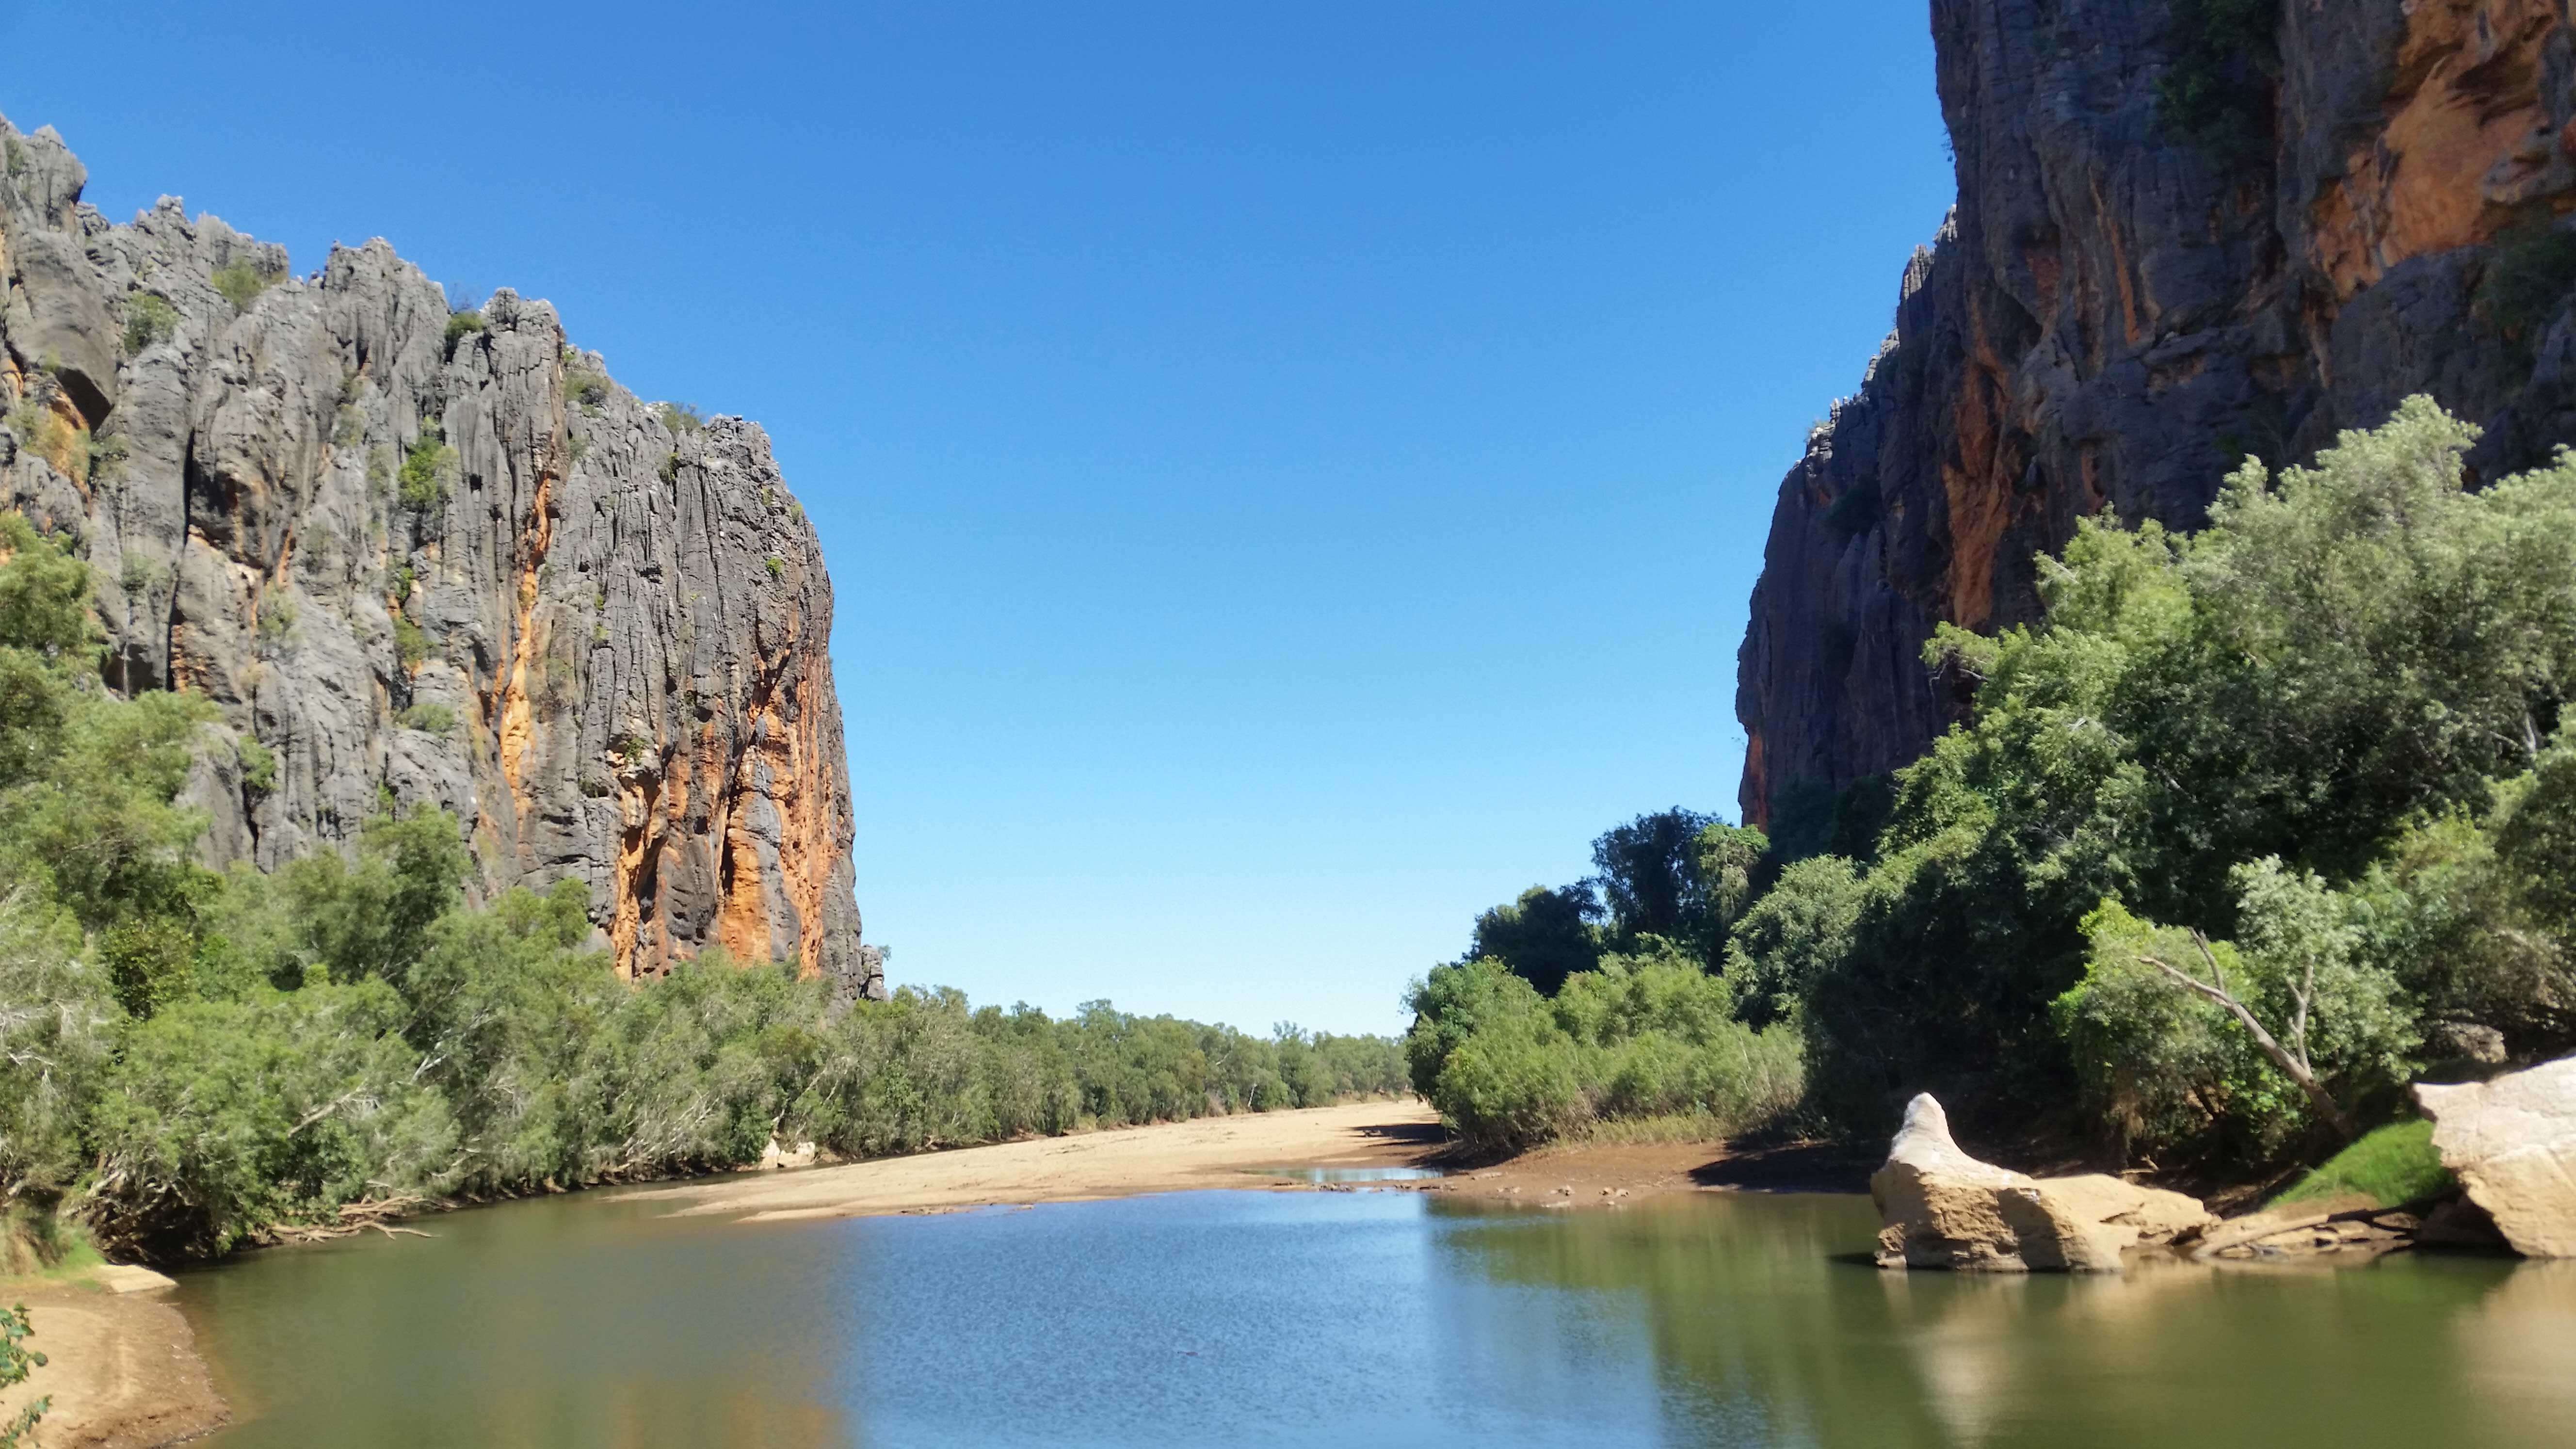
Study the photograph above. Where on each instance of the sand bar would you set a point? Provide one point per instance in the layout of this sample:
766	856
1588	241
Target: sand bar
1212	1152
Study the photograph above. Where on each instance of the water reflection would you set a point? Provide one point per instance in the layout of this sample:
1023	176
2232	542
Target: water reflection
1762	1310
1360	1318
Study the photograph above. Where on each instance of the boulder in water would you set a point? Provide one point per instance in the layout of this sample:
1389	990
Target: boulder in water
1945	1209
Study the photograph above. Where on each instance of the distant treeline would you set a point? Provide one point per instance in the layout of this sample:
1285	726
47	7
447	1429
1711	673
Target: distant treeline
192	1060
2262	823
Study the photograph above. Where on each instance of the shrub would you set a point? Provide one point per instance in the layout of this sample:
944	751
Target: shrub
258	766
430	719
149	321
139	573
777	566
223	1118
585	389
241	282
426	470
1646	1036
276	614
680	418
411	645
460	325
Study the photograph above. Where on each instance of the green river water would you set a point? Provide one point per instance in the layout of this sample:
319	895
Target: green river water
1361	1318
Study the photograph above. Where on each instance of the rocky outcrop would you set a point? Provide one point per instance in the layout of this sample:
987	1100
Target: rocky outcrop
420	557
2512	1143
2115	315
1945	1209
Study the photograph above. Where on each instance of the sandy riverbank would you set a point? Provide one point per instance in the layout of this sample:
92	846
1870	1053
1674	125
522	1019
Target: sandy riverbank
1228	1152
1212	1152
121	1368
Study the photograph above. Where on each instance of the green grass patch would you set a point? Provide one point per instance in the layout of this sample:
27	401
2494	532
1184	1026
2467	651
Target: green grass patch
2396	1164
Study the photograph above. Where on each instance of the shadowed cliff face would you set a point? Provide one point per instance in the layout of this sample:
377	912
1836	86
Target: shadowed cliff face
2114	316
424	563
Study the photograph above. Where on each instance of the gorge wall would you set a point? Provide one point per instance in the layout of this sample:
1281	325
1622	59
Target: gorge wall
418	558
2117	312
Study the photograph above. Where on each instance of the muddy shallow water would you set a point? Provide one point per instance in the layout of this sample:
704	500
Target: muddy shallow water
1343	1318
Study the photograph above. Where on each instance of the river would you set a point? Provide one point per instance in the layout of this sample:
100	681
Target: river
1360	1318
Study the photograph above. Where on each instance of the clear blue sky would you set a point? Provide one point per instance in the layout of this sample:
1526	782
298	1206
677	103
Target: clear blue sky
1292	473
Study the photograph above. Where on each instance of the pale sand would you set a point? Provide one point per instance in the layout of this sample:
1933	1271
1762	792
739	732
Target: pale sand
121	1368
1212	1152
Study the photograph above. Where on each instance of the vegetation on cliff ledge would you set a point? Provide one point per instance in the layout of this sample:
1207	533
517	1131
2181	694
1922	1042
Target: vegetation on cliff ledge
191	1060
2261	824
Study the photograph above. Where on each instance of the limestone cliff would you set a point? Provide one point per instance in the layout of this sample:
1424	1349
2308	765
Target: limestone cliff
419	557
2117	312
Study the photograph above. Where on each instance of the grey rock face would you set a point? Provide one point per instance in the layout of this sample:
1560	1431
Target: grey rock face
418	562
2113	318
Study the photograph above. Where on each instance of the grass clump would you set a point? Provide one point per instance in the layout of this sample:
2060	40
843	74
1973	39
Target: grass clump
2394	1165
410	644
149	320
430	719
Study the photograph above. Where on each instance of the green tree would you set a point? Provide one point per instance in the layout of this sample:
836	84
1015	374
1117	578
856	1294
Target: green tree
371	917
1797	931
1544	937
1649	875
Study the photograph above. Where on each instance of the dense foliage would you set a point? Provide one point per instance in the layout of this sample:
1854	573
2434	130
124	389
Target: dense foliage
1642	1037
2262	823
190	1060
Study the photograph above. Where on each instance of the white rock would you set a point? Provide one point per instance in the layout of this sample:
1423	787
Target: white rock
2512	1141
1945	1209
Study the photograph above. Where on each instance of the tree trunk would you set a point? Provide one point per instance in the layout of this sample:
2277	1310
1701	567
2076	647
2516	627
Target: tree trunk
2291	1067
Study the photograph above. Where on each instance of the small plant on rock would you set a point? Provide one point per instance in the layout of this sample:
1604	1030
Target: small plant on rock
241	282
259	766
585	390
425	470
461	325
149	321
410	644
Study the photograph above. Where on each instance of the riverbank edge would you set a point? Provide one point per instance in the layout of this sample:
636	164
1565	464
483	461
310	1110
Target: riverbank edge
122	1369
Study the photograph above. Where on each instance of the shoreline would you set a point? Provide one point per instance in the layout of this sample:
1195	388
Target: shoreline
1217	1153
1198	1155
